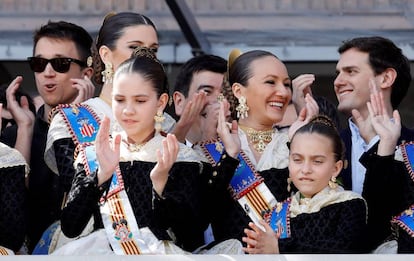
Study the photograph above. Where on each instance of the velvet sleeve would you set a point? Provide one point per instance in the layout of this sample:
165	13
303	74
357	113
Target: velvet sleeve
82	202
12	207
184	204
64	153
387	191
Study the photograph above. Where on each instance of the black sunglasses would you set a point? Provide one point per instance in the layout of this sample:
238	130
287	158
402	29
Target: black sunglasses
60	64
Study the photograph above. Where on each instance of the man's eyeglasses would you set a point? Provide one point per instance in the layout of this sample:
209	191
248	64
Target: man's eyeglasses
60	64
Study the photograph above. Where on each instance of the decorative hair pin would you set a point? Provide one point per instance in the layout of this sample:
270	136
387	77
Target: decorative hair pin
233	56
141	51
322	119
89	61
144	52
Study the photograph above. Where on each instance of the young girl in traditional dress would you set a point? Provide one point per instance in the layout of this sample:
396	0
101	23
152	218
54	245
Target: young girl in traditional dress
320	217
147	189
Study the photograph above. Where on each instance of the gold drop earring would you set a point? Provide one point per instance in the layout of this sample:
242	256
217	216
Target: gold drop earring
159	119
332	183
242	109
108	73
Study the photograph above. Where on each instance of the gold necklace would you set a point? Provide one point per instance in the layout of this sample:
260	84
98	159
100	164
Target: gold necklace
134	147
259	139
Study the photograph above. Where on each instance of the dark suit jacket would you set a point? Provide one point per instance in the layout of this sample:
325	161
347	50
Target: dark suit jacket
381	193
346	176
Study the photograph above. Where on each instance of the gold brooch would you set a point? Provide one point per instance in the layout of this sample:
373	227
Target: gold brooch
219	147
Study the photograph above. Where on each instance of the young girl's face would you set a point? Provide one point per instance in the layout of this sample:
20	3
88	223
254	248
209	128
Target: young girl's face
134	105
312	163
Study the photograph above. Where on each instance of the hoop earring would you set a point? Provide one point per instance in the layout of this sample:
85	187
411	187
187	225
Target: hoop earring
108	73
159	119
242	108
332	183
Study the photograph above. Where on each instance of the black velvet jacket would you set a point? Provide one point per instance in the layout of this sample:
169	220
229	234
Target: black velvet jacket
183	208
13	218
388	190
337	228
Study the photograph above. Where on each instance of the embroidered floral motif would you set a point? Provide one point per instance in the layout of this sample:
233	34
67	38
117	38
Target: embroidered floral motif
122	232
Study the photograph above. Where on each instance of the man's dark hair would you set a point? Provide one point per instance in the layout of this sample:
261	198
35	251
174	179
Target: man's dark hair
383	54
66	31
207	62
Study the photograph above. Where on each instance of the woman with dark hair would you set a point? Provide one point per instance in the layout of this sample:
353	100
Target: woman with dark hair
261	90
118	36
74	124
148	187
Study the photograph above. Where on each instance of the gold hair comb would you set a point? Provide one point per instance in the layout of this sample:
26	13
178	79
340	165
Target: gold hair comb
141	51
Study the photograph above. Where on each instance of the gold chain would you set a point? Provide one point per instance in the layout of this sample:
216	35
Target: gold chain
133	147
259	139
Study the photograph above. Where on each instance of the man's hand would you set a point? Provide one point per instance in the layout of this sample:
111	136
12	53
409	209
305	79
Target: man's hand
21	113
85	88
190	115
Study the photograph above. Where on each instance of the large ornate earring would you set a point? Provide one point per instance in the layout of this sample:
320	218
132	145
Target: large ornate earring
159	119
242	108
108	73
332	183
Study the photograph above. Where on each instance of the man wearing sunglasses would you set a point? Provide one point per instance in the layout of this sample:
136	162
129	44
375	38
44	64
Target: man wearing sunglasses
62	75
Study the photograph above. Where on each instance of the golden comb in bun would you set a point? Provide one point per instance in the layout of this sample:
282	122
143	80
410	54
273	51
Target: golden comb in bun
233	56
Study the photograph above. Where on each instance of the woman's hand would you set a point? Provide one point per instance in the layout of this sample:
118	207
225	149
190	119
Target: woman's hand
301	86
107	152
165	160
228	132
306	114
259	241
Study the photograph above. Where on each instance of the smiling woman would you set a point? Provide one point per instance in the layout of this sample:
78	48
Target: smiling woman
260	83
